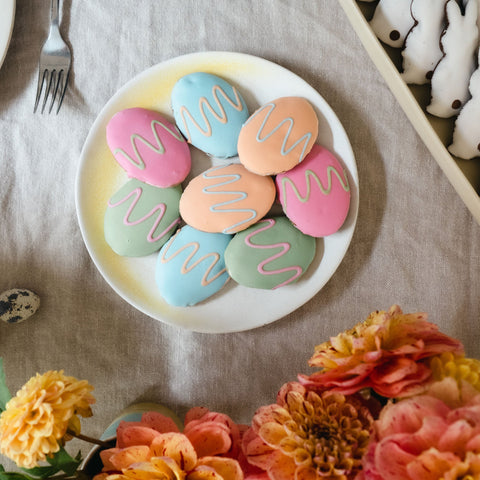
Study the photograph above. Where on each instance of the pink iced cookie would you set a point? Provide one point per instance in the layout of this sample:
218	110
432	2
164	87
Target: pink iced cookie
315	195
148	147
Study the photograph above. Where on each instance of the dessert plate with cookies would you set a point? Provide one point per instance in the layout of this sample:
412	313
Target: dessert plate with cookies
217	192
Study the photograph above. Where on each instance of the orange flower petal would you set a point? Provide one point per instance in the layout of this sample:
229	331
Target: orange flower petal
176	446
210	438
130	435
272	433
159	422
149	471
129	455
227	468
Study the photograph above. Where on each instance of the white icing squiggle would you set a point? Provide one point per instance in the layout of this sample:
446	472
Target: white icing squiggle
239	196
159	148
203	104
186	267
309	175
284	150
161	208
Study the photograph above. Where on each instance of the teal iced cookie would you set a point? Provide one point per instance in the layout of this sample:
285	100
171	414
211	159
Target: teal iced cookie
269	254
140	218
209	112
191	266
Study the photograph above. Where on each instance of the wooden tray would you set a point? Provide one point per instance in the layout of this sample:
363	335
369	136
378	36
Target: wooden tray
436	133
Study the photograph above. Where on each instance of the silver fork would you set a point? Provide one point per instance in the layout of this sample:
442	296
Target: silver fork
54	64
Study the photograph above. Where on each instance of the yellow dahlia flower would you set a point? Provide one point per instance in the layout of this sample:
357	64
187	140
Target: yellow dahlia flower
35	421
458	367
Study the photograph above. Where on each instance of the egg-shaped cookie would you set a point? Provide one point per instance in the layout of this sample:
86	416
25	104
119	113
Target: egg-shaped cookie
140	218
226	199
210	113
278	136
191	266
270	254
149	147
315	195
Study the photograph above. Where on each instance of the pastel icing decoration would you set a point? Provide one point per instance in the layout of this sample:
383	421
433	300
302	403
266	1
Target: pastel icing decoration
392	21
278	136
140	218
422	49
191	266
466	134
210	113
18	304
459	44
148	147
226	199
315	195
270	254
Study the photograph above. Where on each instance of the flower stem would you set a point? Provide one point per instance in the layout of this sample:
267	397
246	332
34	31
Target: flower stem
89	439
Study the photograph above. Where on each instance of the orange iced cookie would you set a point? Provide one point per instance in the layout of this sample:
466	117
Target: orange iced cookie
278	135
226	199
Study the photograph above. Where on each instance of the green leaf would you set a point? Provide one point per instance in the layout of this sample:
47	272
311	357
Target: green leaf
61	461
5	395
64	462
41	472
12	475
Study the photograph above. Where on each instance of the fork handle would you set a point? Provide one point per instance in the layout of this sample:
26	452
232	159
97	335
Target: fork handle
54	7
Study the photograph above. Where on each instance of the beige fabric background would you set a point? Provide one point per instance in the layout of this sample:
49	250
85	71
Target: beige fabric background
415	244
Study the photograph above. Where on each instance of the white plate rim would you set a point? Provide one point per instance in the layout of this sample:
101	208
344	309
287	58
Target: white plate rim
7	20
198	318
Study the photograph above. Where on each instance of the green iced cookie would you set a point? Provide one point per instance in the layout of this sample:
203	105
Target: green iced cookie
140	218
269	254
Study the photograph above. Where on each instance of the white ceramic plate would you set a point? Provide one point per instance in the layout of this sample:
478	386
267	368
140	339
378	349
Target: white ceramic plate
234	308
7	17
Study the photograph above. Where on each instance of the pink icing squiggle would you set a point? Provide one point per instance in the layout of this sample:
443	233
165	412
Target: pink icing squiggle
161	207
159	148
204	104
186	268
285	248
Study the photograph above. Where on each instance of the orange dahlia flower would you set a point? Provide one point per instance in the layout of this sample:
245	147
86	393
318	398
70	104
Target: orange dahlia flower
309	436
173	457
389	352
35	421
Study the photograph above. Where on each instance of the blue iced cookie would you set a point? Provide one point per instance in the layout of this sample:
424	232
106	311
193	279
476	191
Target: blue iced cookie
140	218
191	266
209	112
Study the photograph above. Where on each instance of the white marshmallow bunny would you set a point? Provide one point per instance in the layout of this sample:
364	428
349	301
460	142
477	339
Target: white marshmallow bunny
392	21
422	46
466	134
459	44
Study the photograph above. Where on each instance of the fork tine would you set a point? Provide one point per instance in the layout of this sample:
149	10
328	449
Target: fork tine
59	76
63	89
41	78
49	79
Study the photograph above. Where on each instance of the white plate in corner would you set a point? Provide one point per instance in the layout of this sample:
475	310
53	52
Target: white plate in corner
7	19
235	308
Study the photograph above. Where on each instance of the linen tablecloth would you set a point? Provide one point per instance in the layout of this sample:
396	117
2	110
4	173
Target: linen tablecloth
415	243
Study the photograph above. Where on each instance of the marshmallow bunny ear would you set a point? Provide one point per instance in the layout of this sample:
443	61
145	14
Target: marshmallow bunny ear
472	11
422	46
452	74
